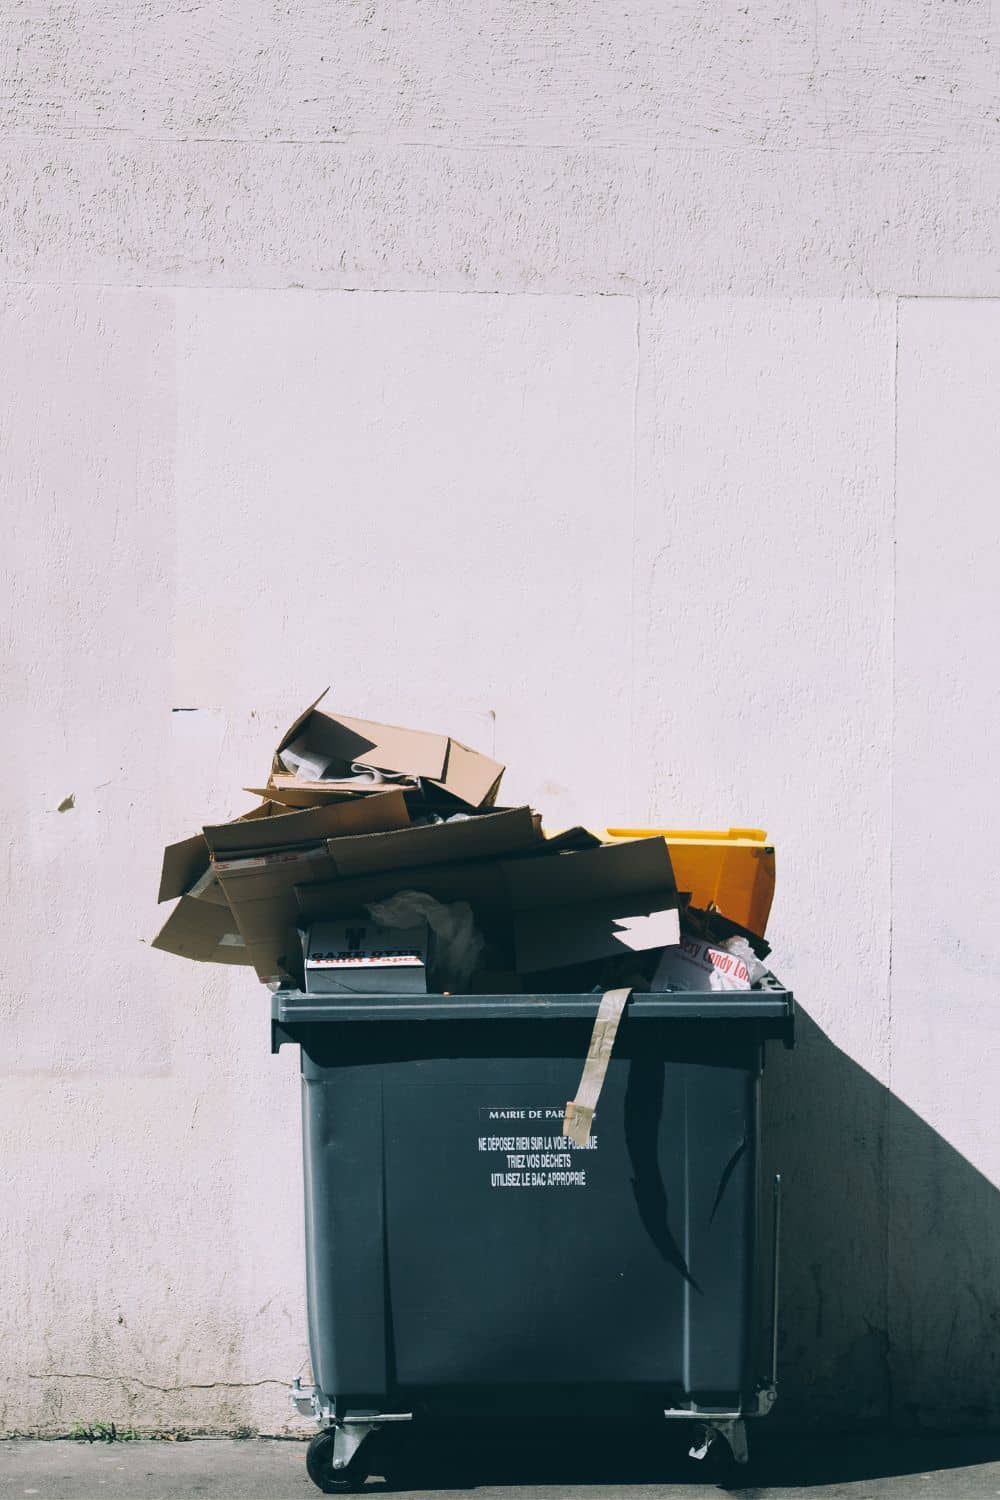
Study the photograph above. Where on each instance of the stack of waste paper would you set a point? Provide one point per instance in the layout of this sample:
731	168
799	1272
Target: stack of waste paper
378	860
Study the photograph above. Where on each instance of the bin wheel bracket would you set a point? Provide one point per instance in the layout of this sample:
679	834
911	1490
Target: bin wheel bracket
338	1458
730	1431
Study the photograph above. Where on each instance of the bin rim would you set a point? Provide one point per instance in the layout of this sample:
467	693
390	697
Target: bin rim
772	1007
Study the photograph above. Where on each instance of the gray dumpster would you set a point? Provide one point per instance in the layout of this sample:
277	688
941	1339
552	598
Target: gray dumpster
463	1257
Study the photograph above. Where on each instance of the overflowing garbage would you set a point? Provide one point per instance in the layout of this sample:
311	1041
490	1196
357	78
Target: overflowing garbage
379	860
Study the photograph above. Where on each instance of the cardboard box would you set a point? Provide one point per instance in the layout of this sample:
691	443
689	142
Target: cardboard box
549	909
185	862
247	868
591	904
284	830
341	741
260	890
260	894
292	791
204	931
365	958
483	837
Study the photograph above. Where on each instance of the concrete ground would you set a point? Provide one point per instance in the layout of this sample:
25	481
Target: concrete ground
855	1467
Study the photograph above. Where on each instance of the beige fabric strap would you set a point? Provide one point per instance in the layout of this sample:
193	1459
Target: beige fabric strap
580	1111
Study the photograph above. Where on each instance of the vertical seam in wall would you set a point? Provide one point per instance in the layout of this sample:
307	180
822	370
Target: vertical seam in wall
635	813
887	1140
893	504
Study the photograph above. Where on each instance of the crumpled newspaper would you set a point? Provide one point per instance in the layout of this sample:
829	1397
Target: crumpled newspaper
312	765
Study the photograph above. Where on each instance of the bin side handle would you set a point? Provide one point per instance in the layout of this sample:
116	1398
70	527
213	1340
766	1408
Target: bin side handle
775	1276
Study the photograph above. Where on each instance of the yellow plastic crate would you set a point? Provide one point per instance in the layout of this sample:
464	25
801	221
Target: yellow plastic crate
733	868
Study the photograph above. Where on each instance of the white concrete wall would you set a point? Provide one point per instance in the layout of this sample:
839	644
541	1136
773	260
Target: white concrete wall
615	388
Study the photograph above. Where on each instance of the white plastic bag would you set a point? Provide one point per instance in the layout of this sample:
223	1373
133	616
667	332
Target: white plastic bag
458	941
740	948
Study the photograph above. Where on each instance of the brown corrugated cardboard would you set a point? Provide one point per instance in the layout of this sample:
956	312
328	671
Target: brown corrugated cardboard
591	904
554	936
250	896
203	931
286	830
561	908
260	890
292	791
185	868
605	873
465	774
185	862
483	837
481	883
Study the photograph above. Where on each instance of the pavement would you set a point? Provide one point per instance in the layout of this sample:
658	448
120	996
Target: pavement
841	1466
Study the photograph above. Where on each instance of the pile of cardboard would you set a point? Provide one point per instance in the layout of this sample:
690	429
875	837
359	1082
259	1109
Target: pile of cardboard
354	812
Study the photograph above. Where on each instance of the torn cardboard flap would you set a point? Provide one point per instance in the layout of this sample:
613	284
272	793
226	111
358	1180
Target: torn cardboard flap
260	888
553	937
630	904
286	830
591	904
261	893
203	931
482	837
479	882
184	863
607	872
292	791
338	742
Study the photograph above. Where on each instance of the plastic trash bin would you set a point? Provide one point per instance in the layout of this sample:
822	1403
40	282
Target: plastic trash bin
464	1259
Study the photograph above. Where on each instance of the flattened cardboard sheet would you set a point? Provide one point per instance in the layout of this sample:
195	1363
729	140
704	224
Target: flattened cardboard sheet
593	903
185	863
202	931
260	892
293	791
551	937
607	872
286	830
480	883
564	908
482	837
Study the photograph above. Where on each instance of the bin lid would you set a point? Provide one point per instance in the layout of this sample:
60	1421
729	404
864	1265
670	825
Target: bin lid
771	1004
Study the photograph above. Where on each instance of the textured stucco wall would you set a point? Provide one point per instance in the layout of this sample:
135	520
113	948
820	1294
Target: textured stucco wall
615	388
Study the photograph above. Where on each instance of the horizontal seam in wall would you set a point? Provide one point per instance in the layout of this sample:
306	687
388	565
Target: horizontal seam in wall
643	290
378	143
295	286
947	296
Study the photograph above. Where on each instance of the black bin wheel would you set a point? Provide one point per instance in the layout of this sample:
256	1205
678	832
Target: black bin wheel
719	1467
319	1466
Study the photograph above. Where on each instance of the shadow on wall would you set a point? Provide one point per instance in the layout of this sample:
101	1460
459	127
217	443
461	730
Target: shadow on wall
890	1253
